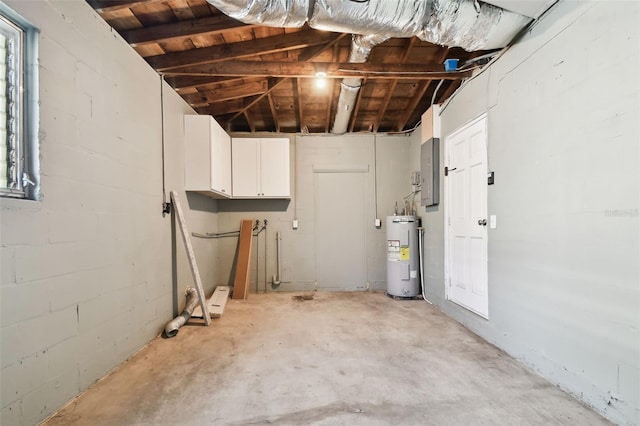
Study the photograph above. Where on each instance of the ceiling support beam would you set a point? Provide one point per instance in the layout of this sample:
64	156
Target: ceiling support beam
226	107
227	93
333	70
332	90
273	83
313	51
183	29
243	49
252	126
274	112
420	90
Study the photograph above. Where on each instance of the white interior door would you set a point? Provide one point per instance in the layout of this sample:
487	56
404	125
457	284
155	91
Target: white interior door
466	189
340	231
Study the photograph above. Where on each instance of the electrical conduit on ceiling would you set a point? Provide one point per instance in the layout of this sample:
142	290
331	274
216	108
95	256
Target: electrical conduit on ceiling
469	24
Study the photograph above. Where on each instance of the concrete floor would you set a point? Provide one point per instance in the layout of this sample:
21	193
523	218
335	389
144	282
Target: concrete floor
339	359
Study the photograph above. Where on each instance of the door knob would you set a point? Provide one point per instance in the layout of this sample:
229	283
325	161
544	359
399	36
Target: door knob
482	222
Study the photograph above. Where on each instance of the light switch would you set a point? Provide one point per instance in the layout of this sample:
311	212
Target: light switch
492	221
295	223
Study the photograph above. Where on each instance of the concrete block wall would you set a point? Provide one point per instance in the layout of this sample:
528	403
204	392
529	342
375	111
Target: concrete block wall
564	281
299	246
88	276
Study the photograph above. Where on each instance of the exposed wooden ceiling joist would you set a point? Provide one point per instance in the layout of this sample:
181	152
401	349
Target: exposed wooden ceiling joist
273	84
243	49
183	29
227	93
314	51
333	70
420	90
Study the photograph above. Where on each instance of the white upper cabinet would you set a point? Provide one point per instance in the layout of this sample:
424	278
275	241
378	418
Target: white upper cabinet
207	157
260	168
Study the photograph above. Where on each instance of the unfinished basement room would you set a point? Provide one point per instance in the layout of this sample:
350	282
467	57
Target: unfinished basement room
319	212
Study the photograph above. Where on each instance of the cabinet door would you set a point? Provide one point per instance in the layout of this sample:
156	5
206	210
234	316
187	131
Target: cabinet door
245	168
220	159
197	153
225	162
274	162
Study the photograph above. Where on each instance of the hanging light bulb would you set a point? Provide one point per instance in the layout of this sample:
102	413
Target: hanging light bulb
321	80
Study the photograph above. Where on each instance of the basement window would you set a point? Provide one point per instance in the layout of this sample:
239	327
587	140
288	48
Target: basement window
19	168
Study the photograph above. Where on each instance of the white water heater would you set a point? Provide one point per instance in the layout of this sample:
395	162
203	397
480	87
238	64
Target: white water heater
403	276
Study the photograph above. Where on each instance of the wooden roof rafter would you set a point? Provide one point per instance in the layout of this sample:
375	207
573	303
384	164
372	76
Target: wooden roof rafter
182	29
243	49
419	93
385	103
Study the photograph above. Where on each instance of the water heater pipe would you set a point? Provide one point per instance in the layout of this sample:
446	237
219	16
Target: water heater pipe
420	249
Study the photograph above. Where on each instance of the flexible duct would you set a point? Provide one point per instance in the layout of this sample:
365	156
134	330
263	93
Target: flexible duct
469	24
172	327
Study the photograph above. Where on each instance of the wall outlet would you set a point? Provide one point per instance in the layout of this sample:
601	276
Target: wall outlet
378	223
294	224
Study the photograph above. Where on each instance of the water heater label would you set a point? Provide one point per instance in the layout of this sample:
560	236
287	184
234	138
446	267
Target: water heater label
413	274
393	249
404	253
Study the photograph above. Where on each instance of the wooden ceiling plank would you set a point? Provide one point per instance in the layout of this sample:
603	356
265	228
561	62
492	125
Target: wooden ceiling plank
183	29
181	9
227	93
274	112
420	90
233	51
102	6
334	70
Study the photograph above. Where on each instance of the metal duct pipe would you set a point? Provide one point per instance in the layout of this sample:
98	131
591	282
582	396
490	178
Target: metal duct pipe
172	327
469	24
360	49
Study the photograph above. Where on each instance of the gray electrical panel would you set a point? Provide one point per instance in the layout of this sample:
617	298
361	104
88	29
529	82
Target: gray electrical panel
430	171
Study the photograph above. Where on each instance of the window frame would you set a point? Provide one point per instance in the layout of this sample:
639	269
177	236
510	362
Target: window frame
26	146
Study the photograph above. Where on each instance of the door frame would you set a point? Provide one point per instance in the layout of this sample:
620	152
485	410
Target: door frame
447	207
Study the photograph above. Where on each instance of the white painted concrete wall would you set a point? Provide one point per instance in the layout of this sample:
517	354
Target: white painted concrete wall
564	275
299	246
86	273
